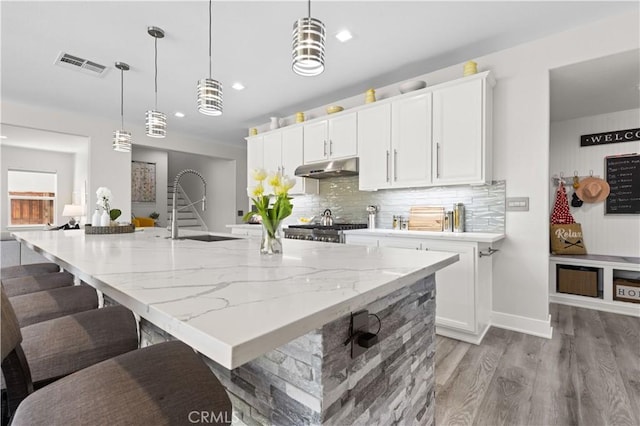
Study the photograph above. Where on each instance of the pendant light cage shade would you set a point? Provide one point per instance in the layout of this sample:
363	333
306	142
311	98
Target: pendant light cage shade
122	141
308	46
156	124
122	138
209	96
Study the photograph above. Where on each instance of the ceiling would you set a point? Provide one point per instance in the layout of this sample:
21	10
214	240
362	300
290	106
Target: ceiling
393	41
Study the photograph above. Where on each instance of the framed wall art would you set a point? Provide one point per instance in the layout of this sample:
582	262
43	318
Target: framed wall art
143	182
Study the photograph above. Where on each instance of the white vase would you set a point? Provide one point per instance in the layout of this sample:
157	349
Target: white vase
105	219
275	123
95	219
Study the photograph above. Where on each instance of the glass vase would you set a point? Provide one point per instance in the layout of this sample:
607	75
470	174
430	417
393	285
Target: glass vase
271	242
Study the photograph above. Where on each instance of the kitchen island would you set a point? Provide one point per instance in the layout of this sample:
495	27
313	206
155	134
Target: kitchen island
274	328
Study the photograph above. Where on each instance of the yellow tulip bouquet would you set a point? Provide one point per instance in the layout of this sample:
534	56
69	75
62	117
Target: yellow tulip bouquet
271	211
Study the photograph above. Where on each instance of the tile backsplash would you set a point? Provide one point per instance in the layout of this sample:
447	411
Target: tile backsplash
484	204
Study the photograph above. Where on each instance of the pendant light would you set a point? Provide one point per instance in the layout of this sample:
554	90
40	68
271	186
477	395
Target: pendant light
209	90
308	45
122	138
156	121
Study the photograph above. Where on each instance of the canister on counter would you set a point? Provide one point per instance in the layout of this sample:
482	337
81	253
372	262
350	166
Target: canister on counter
404	223
458	217
396	225
448	221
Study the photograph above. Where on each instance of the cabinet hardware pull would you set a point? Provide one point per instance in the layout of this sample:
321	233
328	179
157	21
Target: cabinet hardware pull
388	156
395	165
325	149
438	160
488	253
330	147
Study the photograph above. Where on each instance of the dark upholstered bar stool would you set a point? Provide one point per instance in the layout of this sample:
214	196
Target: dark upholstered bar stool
163	384
32	283
24	270
41	306
58	347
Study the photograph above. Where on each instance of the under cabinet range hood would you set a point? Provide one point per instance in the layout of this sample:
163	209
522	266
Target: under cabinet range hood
328	169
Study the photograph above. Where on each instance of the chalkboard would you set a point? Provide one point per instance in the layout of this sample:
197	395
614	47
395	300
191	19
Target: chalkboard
623	176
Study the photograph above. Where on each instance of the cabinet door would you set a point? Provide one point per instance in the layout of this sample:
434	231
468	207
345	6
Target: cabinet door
255	150
292	157
456	288
273	152
361	240
408	243
458	143
343	141
411	141
374	140
315	142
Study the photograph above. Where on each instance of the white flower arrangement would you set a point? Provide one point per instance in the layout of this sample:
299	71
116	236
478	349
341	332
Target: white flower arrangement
104	197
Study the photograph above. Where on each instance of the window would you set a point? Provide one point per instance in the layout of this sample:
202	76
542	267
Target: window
32	197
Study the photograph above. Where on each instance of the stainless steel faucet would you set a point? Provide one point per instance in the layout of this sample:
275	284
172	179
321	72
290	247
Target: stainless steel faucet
175	209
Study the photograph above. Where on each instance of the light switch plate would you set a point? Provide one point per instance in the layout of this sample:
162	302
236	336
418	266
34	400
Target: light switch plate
517	204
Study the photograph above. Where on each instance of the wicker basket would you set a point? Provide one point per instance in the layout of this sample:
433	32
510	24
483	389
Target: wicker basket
119	229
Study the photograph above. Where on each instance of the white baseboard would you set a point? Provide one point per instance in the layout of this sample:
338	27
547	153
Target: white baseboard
540	328
597	304
475	339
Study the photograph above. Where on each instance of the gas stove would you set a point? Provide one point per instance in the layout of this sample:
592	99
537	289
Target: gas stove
331	234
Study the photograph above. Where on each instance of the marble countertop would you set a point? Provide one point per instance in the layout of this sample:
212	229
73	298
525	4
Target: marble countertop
223	298
480	237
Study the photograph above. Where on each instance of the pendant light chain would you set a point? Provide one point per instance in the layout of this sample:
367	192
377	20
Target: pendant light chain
210	20
122	99
156	70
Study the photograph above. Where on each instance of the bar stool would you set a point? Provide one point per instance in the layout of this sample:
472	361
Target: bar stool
167	383
58	347
41	306
32	283
24	270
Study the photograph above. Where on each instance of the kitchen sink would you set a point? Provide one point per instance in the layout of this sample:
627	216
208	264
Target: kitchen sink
207	238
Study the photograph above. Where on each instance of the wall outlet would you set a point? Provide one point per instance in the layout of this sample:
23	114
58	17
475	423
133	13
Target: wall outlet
517	204
240	213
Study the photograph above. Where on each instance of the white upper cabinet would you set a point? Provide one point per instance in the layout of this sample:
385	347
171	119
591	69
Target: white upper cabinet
292	157
462	133
374	140
394	142
411	141
281	151
439	136
331	139
255	156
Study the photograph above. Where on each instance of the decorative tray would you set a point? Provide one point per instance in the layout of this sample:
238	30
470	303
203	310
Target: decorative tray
118	229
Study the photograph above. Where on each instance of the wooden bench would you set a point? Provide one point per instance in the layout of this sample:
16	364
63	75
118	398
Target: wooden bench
609	267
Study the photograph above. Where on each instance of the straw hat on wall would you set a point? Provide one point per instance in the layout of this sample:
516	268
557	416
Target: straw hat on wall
593	190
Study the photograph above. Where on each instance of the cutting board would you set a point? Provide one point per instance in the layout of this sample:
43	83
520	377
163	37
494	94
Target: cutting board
425	218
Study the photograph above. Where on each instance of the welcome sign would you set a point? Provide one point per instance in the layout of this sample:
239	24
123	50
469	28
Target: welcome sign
615	136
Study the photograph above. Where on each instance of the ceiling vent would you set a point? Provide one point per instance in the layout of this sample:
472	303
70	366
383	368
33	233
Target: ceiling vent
79	64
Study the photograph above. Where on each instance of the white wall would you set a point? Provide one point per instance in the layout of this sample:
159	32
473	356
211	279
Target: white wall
221	190
46	161
161	160
112	169
603	234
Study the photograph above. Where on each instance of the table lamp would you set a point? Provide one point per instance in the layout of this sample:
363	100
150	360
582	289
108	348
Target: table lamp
73	211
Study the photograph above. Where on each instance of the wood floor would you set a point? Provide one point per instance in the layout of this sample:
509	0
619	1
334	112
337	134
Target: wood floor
587	374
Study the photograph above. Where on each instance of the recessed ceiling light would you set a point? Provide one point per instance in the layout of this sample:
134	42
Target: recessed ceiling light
179	114
237	86
344	36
